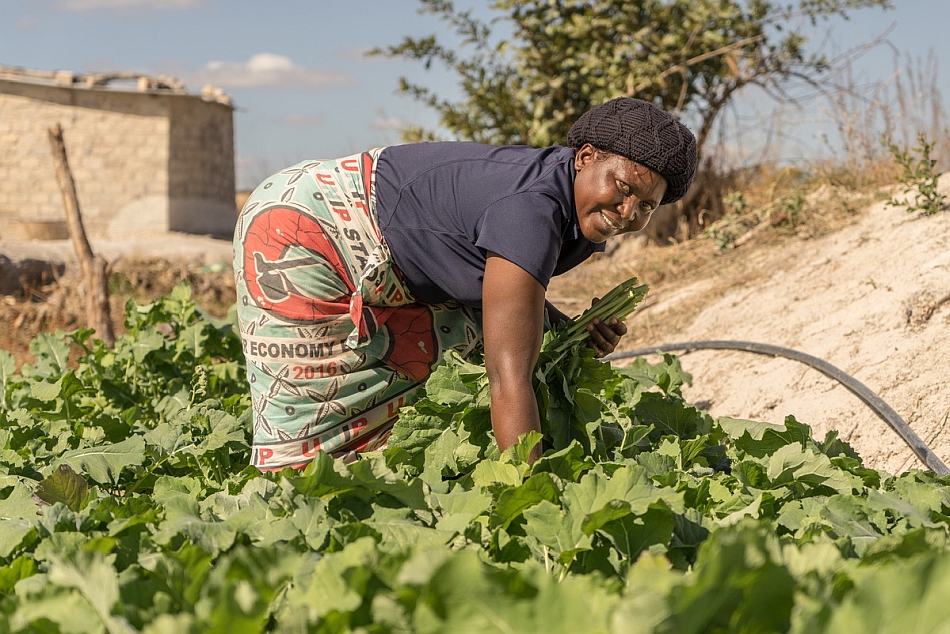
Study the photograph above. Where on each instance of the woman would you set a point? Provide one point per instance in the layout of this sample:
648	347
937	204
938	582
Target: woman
355	275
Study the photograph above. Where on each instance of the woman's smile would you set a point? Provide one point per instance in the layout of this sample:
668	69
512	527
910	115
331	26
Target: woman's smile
616	228
612	194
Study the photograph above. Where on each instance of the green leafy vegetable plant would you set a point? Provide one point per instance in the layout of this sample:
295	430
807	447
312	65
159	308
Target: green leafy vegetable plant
126	505
918	175
619	302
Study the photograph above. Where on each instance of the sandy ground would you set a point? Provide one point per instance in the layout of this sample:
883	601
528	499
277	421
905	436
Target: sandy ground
872	299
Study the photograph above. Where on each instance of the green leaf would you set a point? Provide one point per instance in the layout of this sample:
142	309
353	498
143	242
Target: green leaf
401	529
489	472
20	568
736	427
656	464
340	579
852	517
372	473
772	439
146	343
792	464
440	457
12	533
521	450
671	416
513	501
899	506
739	585
751	474
465	594
668	374
568	463
459	507
193	340
445	386
66	486
181	623
7	371
901	596
45	391
629	485
414	431
19	504
104	463
631	535
65	611
739	508
52	355
96	579
183	572
555	529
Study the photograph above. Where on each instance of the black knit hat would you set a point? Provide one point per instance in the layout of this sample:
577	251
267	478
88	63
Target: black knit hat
645	134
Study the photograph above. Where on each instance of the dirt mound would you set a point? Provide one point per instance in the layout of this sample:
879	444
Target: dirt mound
871	298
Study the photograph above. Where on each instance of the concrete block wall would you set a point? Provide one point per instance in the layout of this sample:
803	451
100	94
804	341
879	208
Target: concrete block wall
201	181
142	162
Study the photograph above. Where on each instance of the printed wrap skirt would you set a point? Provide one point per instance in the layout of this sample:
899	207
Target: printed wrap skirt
335	343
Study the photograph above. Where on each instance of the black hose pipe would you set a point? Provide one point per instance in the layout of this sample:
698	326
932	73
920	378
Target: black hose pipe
872	400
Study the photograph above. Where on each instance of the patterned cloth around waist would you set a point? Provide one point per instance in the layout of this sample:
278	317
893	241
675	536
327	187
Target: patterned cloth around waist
333	339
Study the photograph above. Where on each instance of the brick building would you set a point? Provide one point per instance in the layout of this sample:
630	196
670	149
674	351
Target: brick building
145	154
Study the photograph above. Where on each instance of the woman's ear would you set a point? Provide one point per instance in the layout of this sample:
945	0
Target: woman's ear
583	156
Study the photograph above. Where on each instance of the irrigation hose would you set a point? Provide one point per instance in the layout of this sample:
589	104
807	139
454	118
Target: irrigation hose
872	400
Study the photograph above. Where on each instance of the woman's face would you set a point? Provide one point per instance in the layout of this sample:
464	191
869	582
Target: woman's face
612	194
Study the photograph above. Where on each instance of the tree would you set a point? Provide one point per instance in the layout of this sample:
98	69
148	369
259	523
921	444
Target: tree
564	56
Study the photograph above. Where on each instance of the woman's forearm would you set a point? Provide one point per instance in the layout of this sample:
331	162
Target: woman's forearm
514	411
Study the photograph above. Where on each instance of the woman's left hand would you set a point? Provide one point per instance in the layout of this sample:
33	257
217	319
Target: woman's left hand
604	336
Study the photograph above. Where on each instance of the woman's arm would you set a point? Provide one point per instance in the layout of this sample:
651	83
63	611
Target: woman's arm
513	322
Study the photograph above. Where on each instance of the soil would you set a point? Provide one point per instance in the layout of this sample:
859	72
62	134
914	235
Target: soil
49	282
866	289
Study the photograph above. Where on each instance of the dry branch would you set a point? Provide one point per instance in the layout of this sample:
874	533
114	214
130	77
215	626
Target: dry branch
94	268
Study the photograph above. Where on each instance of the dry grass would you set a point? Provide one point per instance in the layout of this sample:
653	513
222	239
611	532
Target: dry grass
60	306
685	277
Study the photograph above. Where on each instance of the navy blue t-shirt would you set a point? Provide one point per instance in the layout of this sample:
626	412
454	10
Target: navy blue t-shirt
443	206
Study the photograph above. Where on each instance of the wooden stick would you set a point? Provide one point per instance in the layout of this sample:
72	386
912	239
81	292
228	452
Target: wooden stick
94	268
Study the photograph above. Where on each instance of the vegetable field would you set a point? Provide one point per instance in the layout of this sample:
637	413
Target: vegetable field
127	505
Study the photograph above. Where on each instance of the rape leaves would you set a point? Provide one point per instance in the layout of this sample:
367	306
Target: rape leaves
126	506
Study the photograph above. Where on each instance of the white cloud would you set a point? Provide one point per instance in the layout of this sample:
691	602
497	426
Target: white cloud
266	70
390	123
156	5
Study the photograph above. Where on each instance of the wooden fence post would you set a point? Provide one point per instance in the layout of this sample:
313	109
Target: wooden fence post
94	268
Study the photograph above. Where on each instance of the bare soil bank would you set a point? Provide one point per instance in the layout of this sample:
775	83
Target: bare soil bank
871	298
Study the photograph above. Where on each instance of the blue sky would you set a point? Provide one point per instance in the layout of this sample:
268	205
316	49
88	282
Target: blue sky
303	88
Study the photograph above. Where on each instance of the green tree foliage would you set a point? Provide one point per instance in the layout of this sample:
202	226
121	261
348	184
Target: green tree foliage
560	57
